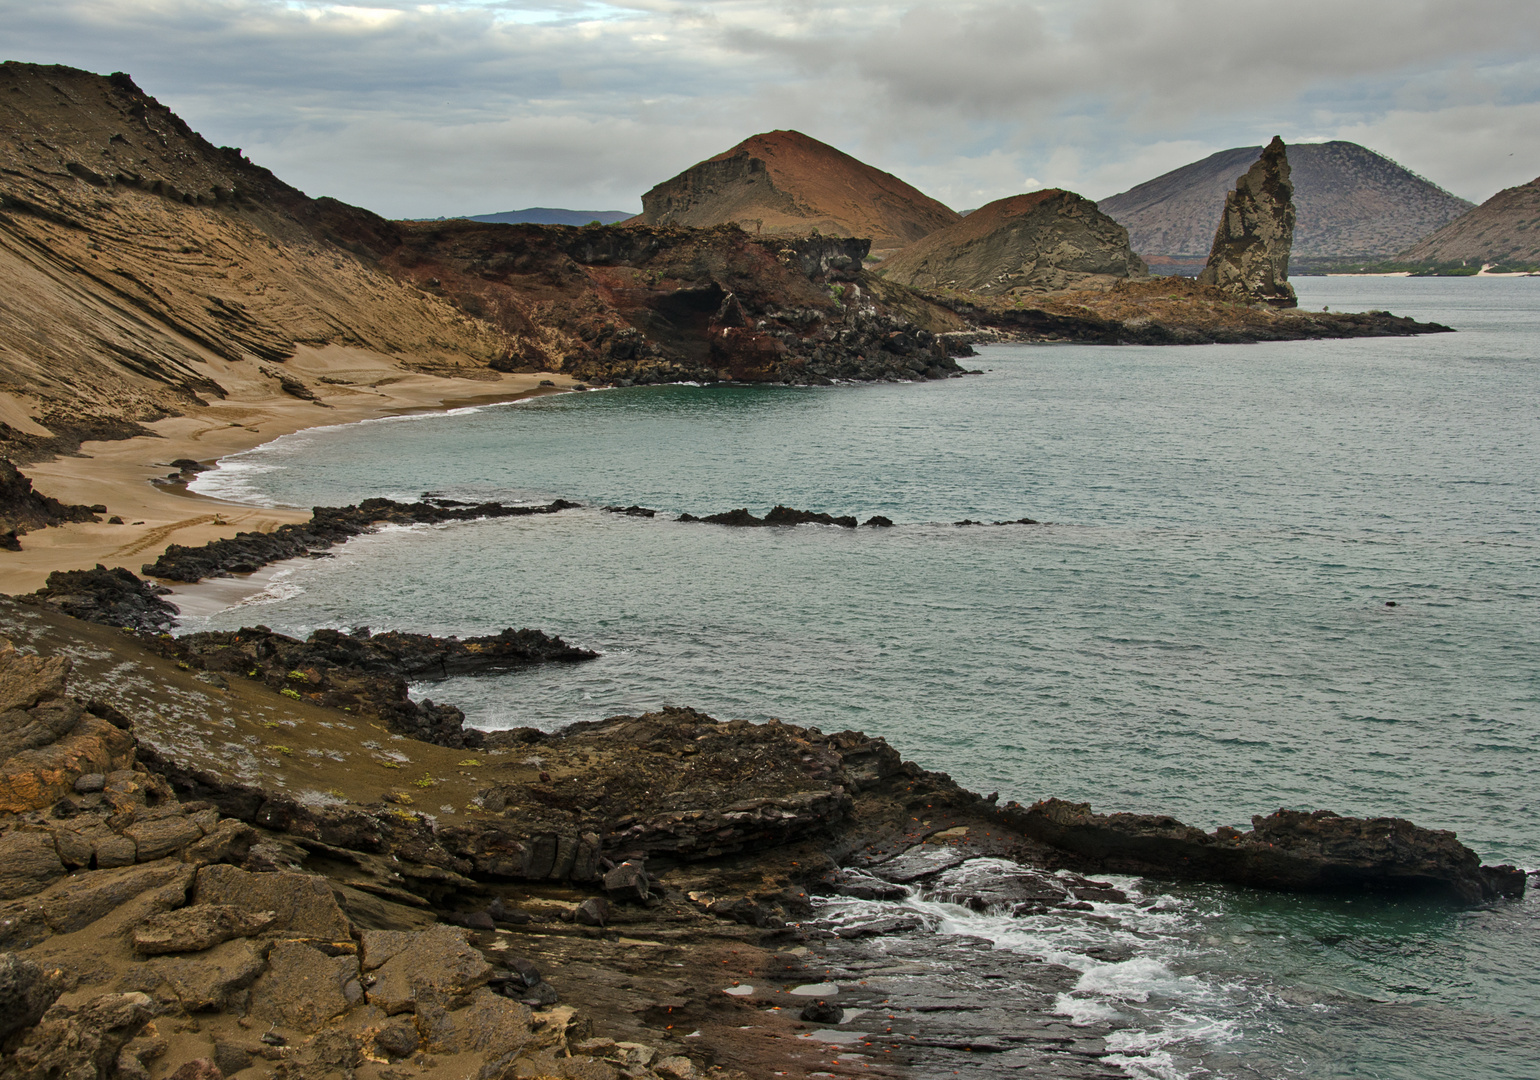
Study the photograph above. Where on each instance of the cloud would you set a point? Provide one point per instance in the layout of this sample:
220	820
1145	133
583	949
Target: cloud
420	109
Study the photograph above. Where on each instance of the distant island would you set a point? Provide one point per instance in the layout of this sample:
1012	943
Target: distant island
1351	202
548	215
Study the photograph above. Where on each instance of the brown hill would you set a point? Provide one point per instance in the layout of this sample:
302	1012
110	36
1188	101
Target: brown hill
1503	231
145	272
1046	241
784	183
1350	202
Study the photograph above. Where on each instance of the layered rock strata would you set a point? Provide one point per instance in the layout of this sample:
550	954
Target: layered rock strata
215	899
145	273
1250	256
1047	241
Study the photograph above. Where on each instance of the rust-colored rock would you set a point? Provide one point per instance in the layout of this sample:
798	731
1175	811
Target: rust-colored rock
784	183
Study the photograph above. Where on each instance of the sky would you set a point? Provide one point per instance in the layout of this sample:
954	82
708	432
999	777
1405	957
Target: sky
479	106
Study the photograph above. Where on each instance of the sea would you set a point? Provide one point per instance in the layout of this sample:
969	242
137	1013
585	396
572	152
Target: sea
1300	574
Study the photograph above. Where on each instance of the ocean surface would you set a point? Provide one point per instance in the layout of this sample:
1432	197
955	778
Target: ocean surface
1301	574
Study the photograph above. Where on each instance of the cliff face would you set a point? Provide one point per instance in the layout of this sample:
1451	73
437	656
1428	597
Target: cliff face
1250	256
1504	230
784	183
1350	202
1047	241
145	272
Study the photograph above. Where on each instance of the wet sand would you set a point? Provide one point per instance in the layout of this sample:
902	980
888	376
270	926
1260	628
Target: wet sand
350	385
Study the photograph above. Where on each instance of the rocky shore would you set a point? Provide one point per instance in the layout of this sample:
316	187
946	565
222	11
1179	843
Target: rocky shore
240	853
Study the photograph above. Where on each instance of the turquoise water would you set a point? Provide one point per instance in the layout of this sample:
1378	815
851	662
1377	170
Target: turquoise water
1202	629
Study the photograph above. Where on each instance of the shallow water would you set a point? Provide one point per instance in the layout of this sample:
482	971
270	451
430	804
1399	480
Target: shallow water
1203	630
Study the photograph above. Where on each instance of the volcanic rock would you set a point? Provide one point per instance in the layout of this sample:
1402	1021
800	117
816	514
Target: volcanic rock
199	927
26	991
297	904
208	980
785	183
1250	256
1047	241
22	509
84	1041
1288	849
1350	203
110	597
1502	232
121	277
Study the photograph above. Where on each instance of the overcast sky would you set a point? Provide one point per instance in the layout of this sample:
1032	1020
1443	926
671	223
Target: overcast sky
475	106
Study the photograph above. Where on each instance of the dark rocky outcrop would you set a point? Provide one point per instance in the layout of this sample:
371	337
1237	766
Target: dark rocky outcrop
368	673
295	925
1047	241
328	526
1288	849
778	515
110	597
22	509
1250	256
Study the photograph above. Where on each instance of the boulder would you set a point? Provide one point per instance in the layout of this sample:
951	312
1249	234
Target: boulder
83	1043
164	836
822	1012
595	911
198	1069
488	1024
628	881
199	927
209	980
228	841
437	960
79	901
303	988
29	863
26	991
78	745
301	904
1249	261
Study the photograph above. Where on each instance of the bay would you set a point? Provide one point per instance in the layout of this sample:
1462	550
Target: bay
1203	629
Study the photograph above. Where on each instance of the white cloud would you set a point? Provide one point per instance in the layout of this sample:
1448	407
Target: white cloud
420	109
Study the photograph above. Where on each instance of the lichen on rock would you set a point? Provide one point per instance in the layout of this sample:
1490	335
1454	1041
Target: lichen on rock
1250	257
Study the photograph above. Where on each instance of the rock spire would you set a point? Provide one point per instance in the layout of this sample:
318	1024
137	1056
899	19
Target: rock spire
1250	256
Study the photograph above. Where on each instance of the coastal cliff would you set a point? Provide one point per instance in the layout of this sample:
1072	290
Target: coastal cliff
145	273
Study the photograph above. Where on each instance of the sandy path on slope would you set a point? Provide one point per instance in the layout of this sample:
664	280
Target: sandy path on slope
360	385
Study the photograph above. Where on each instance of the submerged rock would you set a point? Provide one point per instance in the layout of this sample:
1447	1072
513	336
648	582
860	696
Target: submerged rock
1250	257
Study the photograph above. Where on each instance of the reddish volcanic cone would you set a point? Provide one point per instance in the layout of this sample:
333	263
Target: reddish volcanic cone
785	183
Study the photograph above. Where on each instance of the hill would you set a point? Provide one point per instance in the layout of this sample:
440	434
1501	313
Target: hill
1504	231
145	273
547	215
784	183
1046	241
1350	203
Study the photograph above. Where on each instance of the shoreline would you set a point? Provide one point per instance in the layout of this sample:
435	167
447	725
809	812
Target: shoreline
350	385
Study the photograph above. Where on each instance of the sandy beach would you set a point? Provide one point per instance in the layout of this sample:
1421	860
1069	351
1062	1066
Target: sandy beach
350	385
